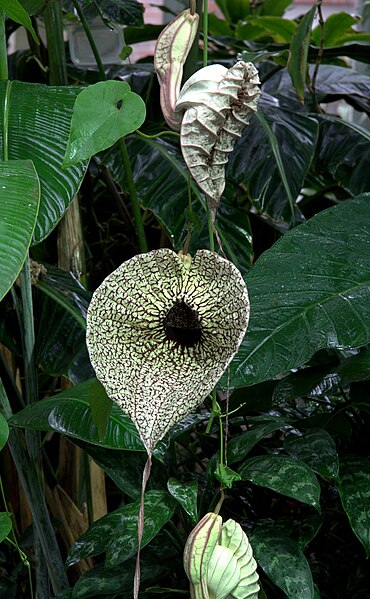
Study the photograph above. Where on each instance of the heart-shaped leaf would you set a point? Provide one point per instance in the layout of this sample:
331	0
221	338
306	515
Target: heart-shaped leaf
102	114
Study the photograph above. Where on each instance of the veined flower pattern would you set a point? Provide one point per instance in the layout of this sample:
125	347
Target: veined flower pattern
161	330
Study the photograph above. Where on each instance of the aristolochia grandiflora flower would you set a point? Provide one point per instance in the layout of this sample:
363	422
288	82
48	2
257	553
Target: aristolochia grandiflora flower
161	329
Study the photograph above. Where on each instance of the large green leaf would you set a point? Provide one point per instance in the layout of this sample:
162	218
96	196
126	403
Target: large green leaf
354	491
309	291
69	413
283	561
253	28
317	449
116	533
19	205
283	475
38	122
338	30
102	114
272	158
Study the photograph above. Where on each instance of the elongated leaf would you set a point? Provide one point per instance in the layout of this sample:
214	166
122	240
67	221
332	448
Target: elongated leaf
275	7
272	159
308	382
283	561
4	431
298	51
186	494
354	491
38	122
19	205
15	11
69	412
309	291
116	533
102	114
283	475
5	525
317	449
338	30
238	447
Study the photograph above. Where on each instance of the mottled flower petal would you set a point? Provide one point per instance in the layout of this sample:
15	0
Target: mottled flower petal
161	330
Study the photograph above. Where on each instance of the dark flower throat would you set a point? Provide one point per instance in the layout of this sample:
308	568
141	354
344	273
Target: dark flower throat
182	325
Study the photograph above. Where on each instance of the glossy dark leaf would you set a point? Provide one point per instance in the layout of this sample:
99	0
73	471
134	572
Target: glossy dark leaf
283	561
283	475
355	368
19	206
239	446
101	408
342	155
116	533
354	491
317	449
186	494
61	305
308	292
38	127
272	158
308	382
69	413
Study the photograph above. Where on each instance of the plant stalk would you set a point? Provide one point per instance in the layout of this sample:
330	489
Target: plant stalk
91	40
55	43
3	48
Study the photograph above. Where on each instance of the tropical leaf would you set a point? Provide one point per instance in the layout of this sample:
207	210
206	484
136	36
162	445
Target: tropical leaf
37	126
354	491
283	561
309	291
19	205
317	449
283	475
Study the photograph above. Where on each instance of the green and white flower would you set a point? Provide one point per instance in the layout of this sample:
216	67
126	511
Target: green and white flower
219	562
161	330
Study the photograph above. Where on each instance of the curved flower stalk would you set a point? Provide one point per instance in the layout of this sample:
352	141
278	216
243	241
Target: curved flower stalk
161	329
219	562
171	50
216	104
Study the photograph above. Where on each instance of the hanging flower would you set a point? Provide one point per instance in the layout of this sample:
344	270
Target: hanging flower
161	329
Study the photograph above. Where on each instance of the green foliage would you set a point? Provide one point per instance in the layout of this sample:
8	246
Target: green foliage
294	218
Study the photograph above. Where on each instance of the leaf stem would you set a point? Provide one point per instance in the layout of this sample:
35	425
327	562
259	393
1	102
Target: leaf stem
160	134
143	246
3	48
136	211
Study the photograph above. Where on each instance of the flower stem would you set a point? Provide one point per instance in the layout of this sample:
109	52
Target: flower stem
55	43
205	33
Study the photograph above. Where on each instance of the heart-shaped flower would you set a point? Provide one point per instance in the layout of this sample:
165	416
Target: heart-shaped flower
161	330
